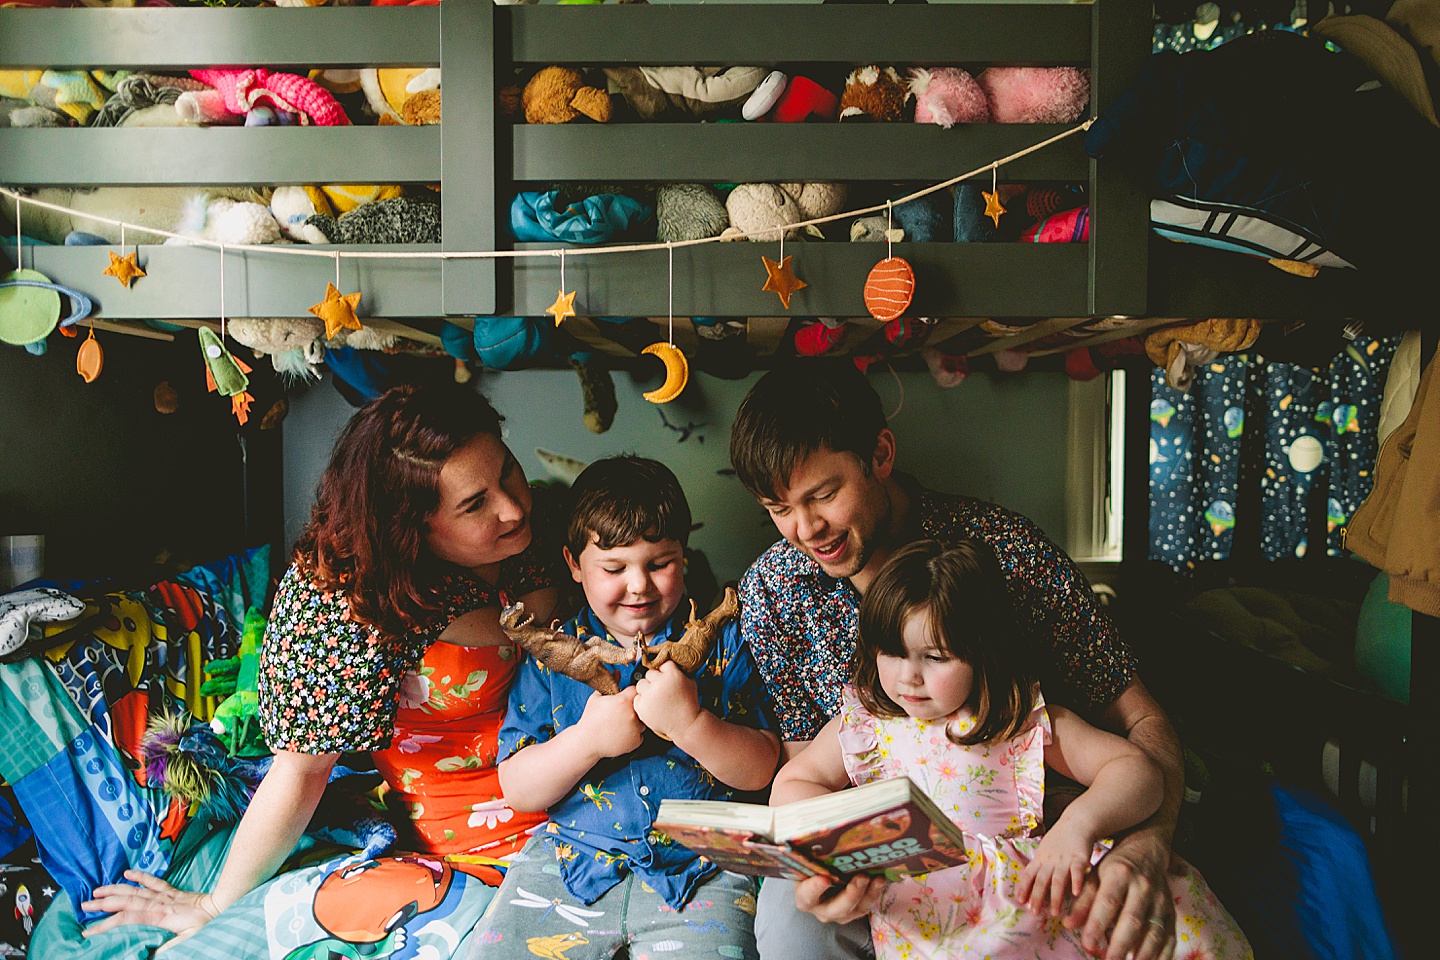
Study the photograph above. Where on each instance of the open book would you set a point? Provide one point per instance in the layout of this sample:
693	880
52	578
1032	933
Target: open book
888	828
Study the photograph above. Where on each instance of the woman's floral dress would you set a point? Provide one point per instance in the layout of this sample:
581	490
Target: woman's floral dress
996	794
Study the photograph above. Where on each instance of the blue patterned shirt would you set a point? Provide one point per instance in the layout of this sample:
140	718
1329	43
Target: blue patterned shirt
602	830
800	624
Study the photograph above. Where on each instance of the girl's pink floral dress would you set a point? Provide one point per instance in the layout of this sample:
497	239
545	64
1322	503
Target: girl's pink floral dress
996	794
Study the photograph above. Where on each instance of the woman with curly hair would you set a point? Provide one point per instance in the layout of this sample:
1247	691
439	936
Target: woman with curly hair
384	636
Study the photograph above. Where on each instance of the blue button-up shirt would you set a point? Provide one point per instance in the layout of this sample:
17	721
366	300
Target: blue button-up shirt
603	829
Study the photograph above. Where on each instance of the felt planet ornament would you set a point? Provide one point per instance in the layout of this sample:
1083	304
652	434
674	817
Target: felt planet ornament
889	288
90	359
30	307
226	375
677	372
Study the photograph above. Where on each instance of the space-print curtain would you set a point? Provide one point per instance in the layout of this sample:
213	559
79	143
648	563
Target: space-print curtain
1318	451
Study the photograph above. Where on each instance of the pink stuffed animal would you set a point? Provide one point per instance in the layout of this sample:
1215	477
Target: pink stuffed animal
243	89
1036	94
947	96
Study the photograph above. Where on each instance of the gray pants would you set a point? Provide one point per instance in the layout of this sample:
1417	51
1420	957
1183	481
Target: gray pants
783	932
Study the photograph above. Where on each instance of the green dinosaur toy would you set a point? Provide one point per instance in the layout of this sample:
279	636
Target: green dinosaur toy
237	719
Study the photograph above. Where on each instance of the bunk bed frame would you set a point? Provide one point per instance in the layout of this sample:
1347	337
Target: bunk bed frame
481	160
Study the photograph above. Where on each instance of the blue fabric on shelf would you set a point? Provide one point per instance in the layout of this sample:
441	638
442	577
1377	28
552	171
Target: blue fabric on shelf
236	583
595	219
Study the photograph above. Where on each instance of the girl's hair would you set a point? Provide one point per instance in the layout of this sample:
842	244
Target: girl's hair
366	533
963	589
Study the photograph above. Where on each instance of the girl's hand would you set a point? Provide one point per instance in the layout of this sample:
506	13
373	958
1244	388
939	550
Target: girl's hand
665	700
831	903
153	902
1057	871
610	724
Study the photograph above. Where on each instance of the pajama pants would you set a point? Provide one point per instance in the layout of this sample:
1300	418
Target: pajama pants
533	915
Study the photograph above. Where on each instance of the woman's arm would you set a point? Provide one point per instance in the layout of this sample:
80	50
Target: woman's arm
817	770
267	833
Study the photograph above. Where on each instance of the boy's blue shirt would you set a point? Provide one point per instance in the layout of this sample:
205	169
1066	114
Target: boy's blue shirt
603	828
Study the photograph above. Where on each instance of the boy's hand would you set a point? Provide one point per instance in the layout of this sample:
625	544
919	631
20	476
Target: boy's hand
832	902
610	723
665	700
1057	871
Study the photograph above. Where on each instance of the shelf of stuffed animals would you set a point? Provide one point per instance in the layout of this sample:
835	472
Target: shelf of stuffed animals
50	156
745	152
171	38
724	279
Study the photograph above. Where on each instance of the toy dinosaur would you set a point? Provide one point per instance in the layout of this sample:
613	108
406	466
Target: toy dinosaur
587	660
583	660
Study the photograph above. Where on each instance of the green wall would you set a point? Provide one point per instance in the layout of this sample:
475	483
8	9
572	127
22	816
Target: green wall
999	437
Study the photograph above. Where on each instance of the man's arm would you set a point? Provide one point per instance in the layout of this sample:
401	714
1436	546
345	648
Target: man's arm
1128	896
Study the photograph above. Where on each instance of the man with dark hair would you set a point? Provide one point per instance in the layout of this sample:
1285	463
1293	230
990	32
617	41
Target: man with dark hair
811	443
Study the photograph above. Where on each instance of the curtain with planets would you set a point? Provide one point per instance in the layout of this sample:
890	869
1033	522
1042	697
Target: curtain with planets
1319	452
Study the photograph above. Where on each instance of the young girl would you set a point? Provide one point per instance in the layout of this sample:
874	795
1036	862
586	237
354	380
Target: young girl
943	695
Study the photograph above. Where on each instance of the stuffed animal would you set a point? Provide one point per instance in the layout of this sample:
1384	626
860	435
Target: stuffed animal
146	99
294	344
403	95
560	95
77	94
223	220
243	89
164	208
680	93
803	100
761	209
688	211
947	96
397	220
1035	94
875	94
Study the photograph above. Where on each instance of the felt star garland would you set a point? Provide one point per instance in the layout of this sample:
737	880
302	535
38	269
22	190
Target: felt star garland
123	269
993	208
564	306
338	311
781	281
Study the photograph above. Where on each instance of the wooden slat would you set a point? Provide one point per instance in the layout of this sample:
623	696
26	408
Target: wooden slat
1035	331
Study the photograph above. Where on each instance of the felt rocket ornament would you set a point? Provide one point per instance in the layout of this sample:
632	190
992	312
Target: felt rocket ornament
226	375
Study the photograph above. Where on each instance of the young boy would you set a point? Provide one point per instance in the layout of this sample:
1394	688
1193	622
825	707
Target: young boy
597	877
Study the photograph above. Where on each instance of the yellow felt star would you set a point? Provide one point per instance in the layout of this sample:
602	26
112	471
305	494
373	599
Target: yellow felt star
123	269
564	306
338	311
781	281
993	208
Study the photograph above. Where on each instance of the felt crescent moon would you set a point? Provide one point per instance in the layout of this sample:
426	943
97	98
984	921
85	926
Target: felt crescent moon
677	372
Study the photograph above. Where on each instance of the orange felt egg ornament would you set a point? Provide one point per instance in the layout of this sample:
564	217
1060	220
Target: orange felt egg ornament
889	288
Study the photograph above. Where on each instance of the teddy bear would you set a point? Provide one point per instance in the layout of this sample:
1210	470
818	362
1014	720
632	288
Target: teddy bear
874	93
560	95
760	209
685	93
397	220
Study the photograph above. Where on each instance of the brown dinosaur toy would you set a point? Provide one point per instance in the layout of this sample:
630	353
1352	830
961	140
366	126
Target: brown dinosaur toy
588	660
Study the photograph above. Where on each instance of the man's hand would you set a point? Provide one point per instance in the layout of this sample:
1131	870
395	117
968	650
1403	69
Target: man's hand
665	700
830	903
1127	898
153	902
610	723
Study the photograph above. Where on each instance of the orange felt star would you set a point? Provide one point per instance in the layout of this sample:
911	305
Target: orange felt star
564	306
781	281
123	269
338	311
993	208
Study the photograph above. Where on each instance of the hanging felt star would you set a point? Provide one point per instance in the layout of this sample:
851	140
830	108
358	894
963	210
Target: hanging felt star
123	269
993	208
564	306
781	281
338	311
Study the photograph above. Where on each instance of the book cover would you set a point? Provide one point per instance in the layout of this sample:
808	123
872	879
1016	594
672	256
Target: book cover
889	829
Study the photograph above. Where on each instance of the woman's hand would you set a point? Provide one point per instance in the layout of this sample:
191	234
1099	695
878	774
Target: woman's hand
831	903
1057	871
153	902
